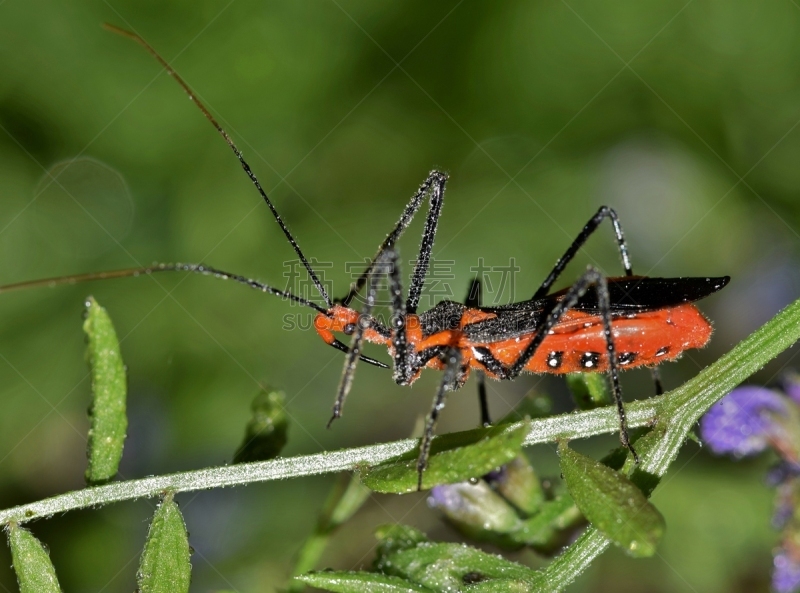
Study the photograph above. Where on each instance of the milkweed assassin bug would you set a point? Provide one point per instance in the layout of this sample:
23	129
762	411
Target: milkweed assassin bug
598	324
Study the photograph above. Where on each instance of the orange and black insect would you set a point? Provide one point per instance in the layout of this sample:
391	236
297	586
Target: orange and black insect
598	324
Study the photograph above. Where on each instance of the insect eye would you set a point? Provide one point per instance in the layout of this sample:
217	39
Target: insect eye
349	329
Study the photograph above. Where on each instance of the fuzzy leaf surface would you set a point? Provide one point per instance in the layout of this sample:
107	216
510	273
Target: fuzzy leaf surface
109	421
165	567
612	503
454	458
35	572
449	567
360	582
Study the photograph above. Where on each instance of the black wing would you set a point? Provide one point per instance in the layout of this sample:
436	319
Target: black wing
634	295
627	295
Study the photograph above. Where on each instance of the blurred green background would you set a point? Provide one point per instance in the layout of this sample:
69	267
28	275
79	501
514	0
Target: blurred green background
681	115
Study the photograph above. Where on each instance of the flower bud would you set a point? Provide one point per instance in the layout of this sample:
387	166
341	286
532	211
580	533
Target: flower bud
266	433
475	509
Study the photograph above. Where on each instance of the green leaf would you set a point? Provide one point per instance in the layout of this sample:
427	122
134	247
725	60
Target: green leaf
359	582
612	503
109	391
265	434
556	520
35	572
165	566
448	567
394	538
454	458
590	390
408	561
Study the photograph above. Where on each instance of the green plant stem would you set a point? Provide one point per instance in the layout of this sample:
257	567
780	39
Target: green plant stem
675	413
567	426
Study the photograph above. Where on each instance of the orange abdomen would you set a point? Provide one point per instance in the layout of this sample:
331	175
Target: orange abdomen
577	344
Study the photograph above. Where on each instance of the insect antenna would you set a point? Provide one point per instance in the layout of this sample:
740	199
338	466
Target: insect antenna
190	268
130	35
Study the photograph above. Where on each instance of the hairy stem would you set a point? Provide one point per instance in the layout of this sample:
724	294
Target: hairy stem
575	425
674	413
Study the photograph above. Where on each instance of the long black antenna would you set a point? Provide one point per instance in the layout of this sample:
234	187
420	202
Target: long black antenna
191	268
235	150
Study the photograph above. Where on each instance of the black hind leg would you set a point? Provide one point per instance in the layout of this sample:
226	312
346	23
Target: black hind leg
473	300
591	227
591	279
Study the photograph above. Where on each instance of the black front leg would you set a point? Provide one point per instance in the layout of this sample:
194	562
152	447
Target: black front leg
449	381
357	342
404	367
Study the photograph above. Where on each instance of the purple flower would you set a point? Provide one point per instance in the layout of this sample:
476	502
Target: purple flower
747	421
474	507
744	421
786	572
446	497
